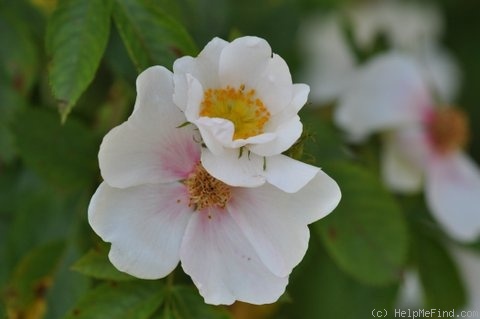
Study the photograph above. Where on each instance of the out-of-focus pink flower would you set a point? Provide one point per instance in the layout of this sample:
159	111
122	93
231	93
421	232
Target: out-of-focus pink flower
423	141
158	206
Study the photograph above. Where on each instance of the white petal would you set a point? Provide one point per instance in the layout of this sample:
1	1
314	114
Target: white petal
251	170
145	225
441	72
288	174
331	61
149	148
286	134
300	96
154	94
399	172
249	61
275	222
223	264
453	194
204	68
387	93
468	262
244	171
217	133
195	96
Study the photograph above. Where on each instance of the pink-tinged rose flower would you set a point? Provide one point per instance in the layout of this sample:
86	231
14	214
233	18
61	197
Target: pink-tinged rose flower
241	97
423	141
159	206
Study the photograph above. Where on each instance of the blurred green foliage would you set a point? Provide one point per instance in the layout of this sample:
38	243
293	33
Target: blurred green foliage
81	60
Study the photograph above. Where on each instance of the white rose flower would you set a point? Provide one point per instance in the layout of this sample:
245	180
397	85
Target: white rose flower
241	97
158	206
423	142
411	28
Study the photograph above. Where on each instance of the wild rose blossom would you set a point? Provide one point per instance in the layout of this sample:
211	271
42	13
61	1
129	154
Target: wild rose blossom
410	28
158	206
423	141
241	97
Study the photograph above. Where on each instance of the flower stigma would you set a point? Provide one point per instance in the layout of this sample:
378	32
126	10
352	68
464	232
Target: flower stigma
448	129
206	191
246	111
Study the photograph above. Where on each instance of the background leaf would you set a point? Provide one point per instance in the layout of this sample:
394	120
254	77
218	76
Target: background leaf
367	238
150	35
125	300
319	289
77	35
96	264
63	154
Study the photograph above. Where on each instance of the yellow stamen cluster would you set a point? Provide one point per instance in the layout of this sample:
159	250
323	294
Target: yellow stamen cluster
205	190
246	111
449	130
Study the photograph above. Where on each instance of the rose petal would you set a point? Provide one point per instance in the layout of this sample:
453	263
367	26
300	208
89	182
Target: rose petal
399	172
204	68
251	170
249	61
286	135
387	93
275	222
223	264
453	194
149	148
332	62
145	225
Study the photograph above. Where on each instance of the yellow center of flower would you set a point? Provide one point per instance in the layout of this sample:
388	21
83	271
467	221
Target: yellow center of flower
246	111
205	190
449	130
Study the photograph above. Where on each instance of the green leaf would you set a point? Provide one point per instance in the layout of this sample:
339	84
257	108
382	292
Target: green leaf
10	103
77	34
186	303
31	280
366	234
150	35
18	52
96	264
442	285
63	154
319	289
124	300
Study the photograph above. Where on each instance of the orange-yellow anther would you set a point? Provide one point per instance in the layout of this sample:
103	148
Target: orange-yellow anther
449	130
205	190
246	111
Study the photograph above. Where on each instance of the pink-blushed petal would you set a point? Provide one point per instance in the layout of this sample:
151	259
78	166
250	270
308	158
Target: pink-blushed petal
249	61
453	195
223	264
387	93
204	68
275	222
287	133
149	148
399	172
145	225
251	170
